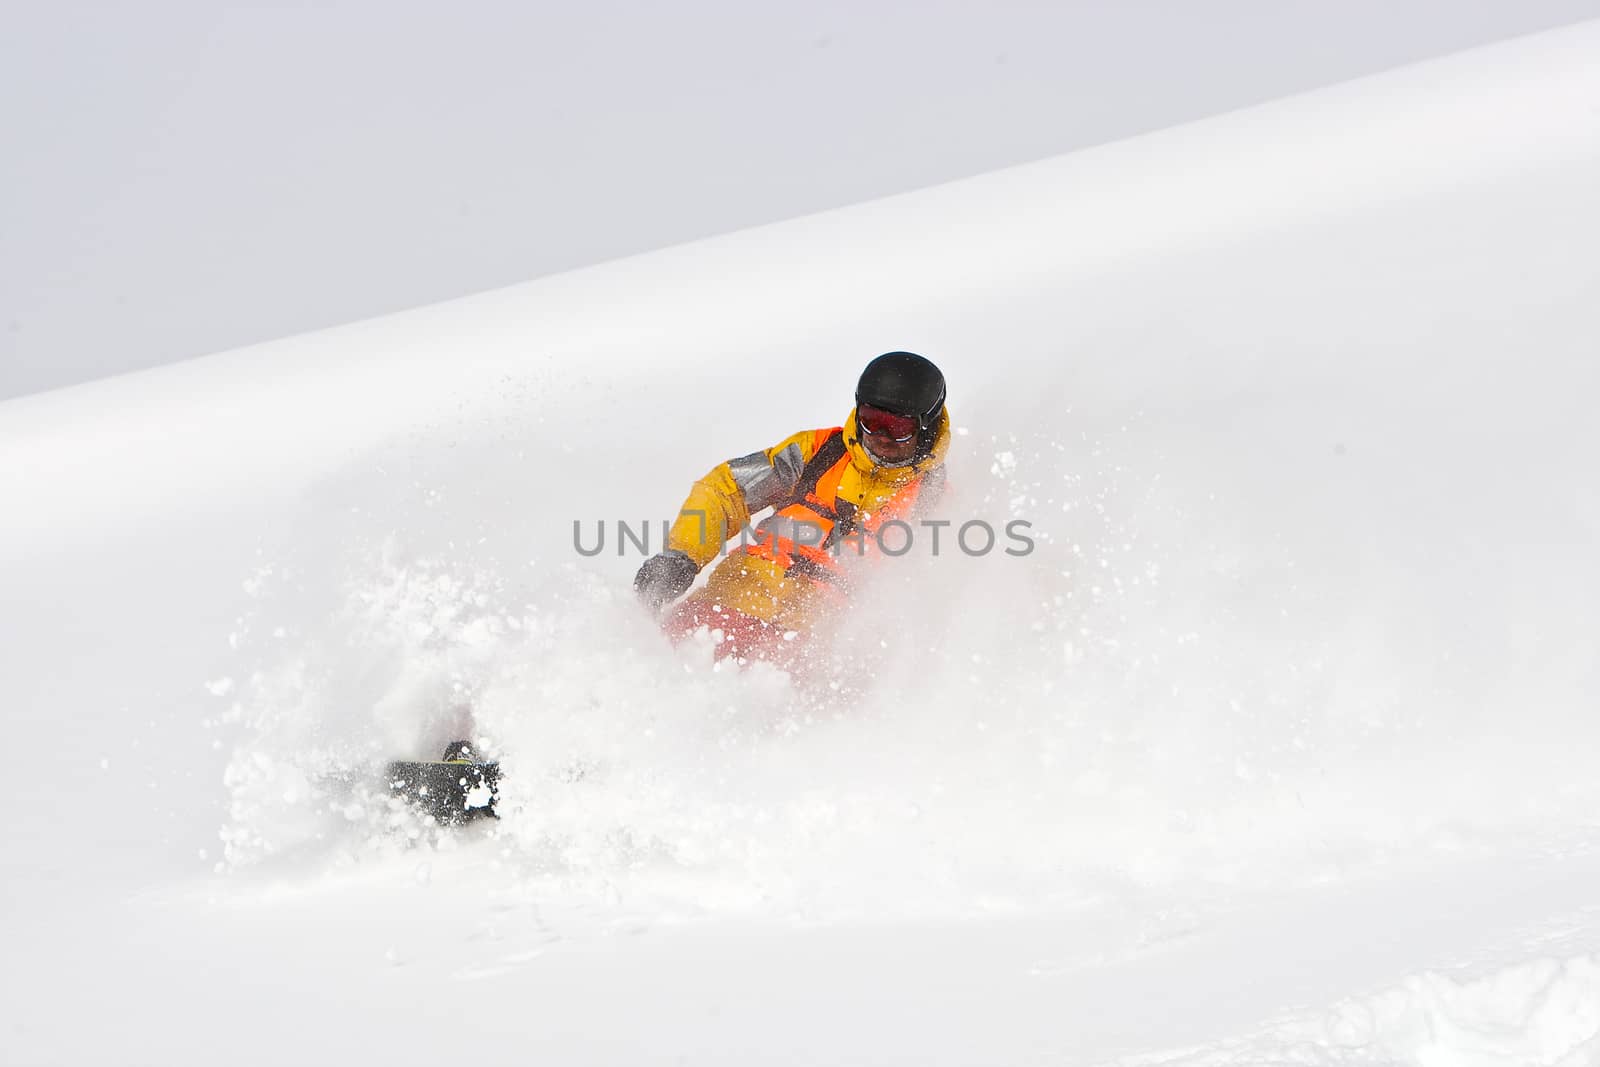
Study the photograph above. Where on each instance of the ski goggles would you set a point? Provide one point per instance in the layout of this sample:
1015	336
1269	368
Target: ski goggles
877	422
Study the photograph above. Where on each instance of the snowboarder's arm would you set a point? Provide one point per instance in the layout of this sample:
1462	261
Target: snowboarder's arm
721	503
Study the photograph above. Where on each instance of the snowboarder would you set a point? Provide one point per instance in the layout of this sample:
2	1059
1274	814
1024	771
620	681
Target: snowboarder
831	491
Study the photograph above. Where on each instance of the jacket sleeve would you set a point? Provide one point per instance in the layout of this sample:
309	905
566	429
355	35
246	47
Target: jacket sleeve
720	504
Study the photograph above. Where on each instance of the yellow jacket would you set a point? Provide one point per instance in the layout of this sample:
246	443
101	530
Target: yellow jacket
722	504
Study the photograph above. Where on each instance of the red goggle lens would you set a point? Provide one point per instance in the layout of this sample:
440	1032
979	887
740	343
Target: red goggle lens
887	424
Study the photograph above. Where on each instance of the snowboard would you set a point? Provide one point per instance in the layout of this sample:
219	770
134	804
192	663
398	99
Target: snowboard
454	790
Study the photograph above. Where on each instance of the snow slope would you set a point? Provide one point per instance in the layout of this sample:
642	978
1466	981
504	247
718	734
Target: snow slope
1276	750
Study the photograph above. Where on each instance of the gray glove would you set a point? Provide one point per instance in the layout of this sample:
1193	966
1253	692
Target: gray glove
664	577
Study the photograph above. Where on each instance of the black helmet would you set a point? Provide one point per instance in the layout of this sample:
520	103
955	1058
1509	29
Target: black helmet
904	383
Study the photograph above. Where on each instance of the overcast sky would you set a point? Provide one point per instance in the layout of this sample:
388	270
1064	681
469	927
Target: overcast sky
179	178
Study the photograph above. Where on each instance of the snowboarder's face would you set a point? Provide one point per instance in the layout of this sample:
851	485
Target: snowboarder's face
887	436
889	451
